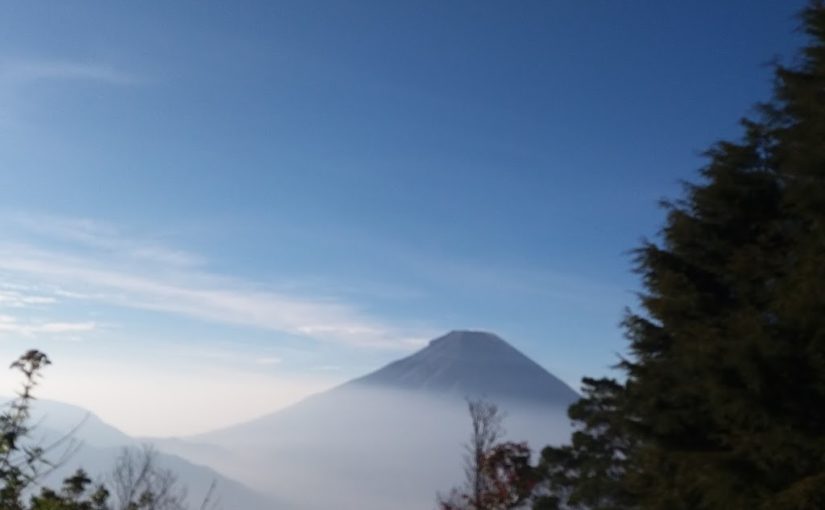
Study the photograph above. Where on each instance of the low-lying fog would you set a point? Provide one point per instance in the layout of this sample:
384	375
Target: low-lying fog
378	448
390	439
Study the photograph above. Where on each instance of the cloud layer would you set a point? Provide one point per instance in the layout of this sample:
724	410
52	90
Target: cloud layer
90	261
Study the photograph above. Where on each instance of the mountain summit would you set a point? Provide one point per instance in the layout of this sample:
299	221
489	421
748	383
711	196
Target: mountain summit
472	364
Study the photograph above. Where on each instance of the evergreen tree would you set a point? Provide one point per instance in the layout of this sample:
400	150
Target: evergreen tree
588	473
724	402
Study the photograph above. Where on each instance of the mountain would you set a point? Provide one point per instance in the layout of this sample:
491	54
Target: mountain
57	419
451	369
392	438
90	443
472	364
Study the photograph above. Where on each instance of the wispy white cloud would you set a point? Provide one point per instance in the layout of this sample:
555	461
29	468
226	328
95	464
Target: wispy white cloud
107	267
19	76
103	236
268	360
17	71
16	299
10	324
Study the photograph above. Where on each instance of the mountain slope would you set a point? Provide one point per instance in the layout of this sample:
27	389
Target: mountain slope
394	437
473	364
94	445
453	367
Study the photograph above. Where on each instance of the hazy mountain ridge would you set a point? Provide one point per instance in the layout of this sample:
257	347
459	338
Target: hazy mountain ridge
83	440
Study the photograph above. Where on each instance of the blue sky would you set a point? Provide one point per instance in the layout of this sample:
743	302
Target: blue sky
272	197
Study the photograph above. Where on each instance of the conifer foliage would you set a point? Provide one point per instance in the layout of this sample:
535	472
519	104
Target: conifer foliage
724	402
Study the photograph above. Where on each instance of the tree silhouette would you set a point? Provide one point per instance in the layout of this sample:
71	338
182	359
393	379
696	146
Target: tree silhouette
498	475
724	402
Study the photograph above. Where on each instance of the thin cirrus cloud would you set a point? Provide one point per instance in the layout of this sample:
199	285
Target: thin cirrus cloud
10	324
18	76
107	267
13	298
268	360
103	237
26	70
